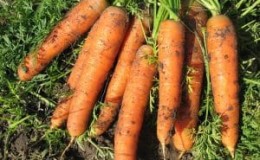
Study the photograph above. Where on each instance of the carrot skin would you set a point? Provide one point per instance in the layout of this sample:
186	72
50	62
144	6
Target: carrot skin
60	114
171	56
76	22
108	34
223	65
135	37
134	105
187	114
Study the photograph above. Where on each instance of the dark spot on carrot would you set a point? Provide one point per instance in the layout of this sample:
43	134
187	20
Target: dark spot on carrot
225	56
209	57
91	7
25	69
230	108
83	17
224	118
224	128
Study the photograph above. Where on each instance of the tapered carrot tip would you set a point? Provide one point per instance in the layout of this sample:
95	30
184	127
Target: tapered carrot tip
231	151
181	154
163	151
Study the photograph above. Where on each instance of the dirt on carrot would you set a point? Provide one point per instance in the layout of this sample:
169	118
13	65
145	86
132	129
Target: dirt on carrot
75	23
134	39
134	104
108	34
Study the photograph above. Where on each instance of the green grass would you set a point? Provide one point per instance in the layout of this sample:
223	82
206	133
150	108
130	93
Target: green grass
26	107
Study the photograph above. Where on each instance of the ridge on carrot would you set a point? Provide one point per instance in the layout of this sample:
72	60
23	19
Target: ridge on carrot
187	114
221	43
76	22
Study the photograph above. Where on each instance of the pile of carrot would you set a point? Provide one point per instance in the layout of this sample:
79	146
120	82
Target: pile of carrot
119	43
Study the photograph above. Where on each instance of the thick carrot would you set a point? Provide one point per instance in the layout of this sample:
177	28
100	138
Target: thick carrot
187	114
223	65
134	105
60	113
76	22
171	37
108	34
134	39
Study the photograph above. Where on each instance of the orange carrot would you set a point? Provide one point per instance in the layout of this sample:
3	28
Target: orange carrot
76	22
134	105
108	34
171	37
187	114
60	113
221	41
134	39
223	65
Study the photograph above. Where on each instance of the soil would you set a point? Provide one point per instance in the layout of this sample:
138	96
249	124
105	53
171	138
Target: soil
26	144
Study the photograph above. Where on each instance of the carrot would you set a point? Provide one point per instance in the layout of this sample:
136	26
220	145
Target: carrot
187	114
170	55
76	22
134	105
134	39
60	113
108	34
221	42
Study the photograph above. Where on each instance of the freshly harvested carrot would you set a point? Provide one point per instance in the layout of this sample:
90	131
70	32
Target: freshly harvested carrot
134	39
223	67
108	34
134	105
223	64
171	38
187	114
60	113
76	22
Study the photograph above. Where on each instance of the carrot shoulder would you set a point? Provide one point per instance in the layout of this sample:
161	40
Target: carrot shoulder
223	65
108	34
187	114
134	39
76	22
171	56
134	105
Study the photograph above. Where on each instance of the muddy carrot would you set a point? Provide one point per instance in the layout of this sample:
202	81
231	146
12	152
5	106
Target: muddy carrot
134	105
76	22
171	38
187	114
223	67
134	39
108	34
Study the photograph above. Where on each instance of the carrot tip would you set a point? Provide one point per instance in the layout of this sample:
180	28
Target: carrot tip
231	151
68	146
181	154
163	150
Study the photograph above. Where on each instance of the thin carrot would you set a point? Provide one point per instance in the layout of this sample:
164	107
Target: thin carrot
134	39
76	22
171	56
134	105
108	34
223	66
187	114
60	113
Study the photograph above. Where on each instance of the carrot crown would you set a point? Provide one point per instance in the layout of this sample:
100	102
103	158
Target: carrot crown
173	8
132	6
212	5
